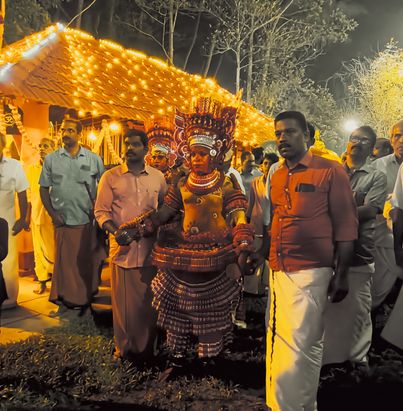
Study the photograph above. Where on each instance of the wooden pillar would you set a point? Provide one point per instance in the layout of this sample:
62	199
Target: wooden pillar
36	124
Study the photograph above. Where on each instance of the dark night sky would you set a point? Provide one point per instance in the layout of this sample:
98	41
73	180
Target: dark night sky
379	21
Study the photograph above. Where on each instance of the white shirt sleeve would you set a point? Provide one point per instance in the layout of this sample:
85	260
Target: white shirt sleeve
21	181
397	195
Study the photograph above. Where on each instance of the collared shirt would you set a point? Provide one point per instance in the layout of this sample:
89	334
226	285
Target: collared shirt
313	207
247	179
390	167
66	176
12	180
369	189
258	205
123	196
238	177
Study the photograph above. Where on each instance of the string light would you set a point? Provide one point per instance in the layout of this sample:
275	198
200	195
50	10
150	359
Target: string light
108	78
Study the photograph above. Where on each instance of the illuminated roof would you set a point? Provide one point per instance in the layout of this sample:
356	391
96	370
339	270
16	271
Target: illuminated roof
72	69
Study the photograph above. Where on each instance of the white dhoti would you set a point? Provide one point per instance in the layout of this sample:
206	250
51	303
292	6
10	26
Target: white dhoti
393	330
295	338
43	237
10	269
348	326
386	274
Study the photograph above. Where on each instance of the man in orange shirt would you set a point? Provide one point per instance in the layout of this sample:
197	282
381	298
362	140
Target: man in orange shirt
314	226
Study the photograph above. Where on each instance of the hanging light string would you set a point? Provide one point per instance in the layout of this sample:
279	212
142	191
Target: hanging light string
18	122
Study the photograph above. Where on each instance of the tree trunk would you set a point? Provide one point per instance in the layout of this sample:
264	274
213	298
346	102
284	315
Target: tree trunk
250	65
210	54
218	65
109	15
196	30
80	7
171	32
238	68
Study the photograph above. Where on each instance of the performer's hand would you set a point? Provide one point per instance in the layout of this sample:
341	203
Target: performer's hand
399	257
338	288
20	225
122	237
58	219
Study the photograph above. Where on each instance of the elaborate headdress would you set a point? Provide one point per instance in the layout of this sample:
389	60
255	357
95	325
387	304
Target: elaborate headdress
160	138
210	125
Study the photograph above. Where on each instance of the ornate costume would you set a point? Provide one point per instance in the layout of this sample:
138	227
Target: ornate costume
193	294
161	153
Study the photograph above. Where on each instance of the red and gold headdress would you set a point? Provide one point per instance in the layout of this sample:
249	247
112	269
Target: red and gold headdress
160	138
210	125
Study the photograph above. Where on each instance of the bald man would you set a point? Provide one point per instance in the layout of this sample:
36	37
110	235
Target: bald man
386	269
43	234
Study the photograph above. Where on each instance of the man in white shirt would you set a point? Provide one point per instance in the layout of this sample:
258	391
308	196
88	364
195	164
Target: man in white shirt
12	181
386	269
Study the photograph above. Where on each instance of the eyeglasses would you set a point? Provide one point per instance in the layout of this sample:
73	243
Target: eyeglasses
362	140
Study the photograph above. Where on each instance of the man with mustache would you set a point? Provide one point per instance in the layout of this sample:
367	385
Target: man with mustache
313	229
348	326
126	192
386	269
43	235
393	268
68	179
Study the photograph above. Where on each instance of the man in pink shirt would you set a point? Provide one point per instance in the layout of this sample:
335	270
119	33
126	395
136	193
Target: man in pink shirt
124	193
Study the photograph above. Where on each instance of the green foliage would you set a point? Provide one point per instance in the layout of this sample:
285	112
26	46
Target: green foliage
56	369
24	17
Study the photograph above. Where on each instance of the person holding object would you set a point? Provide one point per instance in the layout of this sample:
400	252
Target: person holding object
194	294
125	192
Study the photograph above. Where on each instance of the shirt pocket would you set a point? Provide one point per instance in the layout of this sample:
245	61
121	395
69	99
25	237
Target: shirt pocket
148	196
57	179
307	204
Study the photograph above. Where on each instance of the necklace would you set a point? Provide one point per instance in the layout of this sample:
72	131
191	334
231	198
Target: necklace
208	183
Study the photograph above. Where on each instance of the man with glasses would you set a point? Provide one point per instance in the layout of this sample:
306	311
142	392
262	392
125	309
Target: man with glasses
314	226
68	183
386	269
43	234
348	326
392	331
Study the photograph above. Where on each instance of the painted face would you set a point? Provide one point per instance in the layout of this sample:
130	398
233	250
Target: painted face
290	138
134	149
200	160
159	161
70	135
396	140
359	144
45	146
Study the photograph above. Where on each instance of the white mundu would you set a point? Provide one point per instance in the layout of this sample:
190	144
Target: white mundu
12	181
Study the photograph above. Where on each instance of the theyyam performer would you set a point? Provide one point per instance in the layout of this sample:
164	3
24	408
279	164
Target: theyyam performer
193	293
161	154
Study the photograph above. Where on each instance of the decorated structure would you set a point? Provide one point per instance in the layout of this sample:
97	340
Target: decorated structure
61	68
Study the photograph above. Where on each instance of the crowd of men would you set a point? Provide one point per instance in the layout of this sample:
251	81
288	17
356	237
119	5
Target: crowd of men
328	236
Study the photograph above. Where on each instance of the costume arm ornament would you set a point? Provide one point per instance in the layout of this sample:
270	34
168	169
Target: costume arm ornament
144	225
242	238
